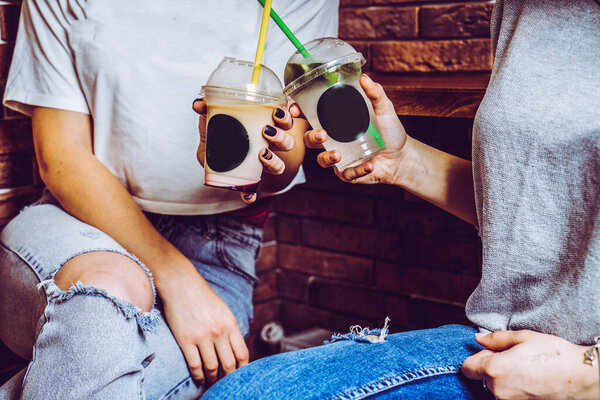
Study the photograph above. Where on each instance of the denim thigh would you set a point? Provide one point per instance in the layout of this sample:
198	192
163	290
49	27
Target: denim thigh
422	364
224	250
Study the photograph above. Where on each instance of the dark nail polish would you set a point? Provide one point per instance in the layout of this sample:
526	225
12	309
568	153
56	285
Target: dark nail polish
279	113
267	155
270	131
198	99
248	196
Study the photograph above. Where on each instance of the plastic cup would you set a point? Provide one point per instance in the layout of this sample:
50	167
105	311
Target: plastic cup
326	87
237	111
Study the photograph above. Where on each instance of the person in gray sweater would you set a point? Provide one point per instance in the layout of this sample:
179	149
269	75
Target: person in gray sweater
533	192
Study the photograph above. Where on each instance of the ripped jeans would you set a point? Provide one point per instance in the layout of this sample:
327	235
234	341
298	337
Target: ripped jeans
86	344
422	364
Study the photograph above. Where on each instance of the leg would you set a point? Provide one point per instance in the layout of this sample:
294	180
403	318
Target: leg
91	340
413	365
96	327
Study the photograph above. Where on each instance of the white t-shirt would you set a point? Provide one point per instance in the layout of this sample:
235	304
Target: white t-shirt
136	66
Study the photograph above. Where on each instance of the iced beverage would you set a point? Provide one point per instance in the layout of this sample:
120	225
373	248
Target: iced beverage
327	89
237	113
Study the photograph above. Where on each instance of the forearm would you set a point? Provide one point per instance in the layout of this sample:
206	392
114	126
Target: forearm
293	160
91	193
438	177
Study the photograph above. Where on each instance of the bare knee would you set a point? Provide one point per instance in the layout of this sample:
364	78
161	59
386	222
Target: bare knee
119	275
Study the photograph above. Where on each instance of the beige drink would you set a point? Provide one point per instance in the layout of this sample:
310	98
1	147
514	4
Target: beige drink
233	142
237	113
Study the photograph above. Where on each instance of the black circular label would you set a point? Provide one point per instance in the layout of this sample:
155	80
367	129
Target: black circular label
343	113
227	143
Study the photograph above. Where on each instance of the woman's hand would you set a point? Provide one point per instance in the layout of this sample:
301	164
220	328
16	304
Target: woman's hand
530	365
280	141
384	167
204	327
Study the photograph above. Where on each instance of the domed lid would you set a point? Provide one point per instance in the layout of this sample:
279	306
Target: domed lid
232	79
326	54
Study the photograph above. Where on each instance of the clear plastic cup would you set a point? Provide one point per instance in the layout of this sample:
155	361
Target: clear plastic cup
237	111
327	89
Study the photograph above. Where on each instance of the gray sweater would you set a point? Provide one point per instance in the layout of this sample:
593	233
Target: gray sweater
536	169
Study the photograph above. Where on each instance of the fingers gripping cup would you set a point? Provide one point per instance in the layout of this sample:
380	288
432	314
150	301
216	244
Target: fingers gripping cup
237	113
326	87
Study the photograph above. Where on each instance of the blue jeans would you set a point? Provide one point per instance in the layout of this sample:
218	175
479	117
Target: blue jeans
86	344
423	364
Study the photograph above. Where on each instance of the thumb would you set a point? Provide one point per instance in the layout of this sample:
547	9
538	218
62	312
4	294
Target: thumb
375	93
503	340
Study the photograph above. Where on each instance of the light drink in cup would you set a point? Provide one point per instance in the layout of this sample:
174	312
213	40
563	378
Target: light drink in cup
237	112
326	87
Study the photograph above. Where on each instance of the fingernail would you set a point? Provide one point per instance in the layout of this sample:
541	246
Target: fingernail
481	334
198	99
333	157
279	113
319	136
248	196
270	131
368	169
368	77
267	155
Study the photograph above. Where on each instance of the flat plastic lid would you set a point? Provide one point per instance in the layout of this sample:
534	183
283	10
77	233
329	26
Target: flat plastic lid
326	54
232	79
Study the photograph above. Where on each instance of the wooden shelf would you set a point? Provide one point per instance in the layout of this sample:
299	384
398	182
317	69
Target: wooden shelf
435	95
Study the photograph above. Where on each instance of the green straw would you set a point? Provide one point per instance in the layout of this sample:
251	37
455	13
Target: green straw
284	28
332	77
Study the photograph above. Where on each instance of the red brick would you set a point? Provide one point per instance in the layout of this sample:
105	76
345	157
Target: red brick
300	316
266	312
423	314
306	203
16	169
426	283
378	23
6	51
270	230
12	201
325	263
9	21
266	288
345	3
399	1
289	229
337	296
421	219
292	285
351	239
268	258
15	136
445	255
457	20
432	56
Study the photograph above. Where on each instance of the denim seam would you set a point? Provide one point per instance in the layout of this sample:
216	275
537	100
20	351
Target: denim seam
175	388
396	380
231	266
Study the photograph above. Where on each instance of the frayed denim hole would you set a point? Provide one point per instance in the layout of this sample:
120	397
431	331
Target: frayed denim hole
360	334
146	321
123	253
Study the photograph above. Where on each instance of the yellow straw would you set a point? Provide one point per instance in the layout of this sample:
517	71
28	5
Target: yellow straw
262	38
